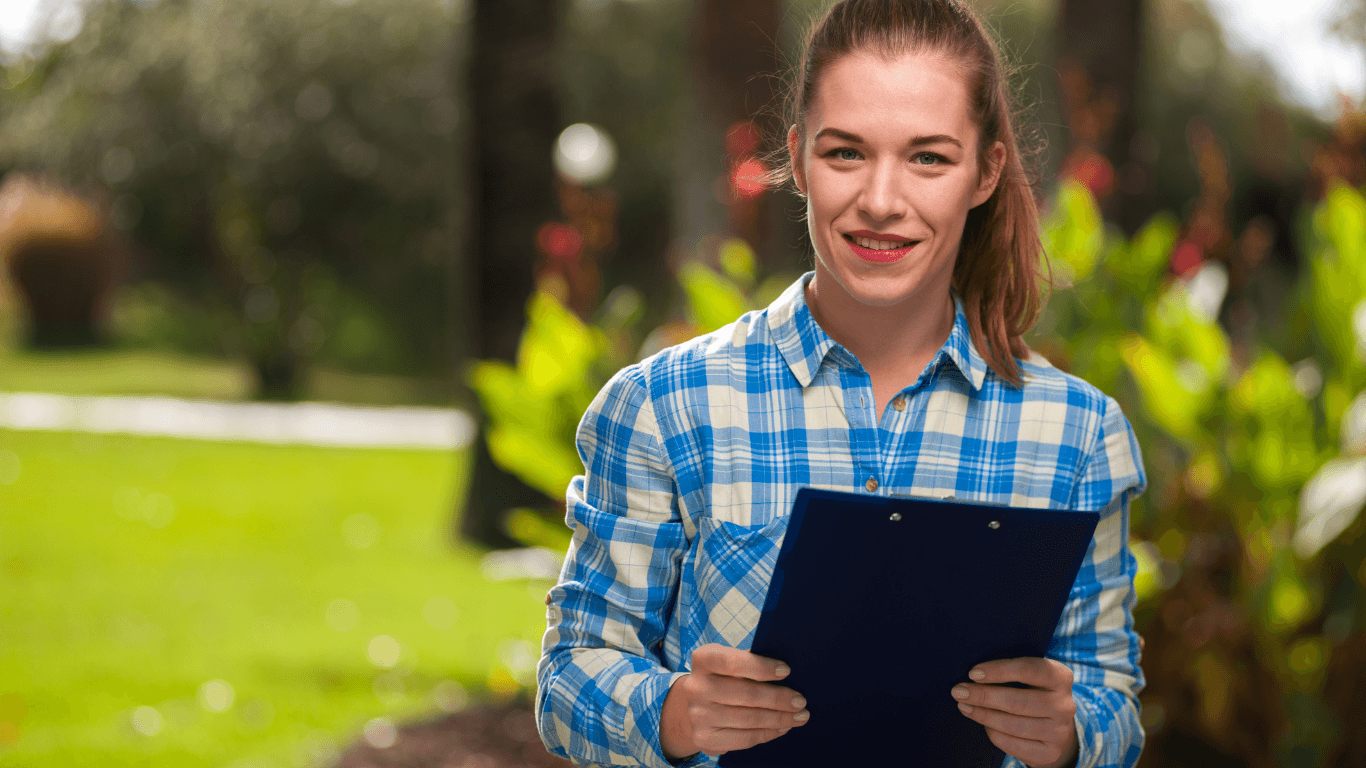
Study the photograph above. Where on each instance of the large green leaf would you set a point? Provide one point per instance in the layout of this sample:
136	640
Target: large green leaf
1138	265
713	300
544	464
1074	232
1339	271
557	349
1167	397
1283	452
1172	325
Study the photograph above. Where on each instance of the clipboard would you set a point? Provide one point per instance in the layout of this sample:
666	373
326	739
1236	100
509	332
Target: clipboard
880	605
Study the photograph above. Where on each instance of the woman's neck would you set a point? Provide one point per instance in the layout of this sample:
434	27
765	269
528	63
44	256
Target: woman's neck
893	343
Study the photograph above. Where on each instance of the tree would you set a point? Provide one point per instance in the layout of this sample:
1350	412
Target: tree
515	123
1099	45
272	164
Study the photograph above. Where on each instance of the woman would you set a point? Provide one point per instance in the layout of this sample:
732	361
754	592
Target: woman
895	367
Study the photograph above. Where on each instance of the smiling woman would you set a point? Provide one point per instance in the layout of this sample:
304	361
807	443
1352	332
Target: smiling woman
896	368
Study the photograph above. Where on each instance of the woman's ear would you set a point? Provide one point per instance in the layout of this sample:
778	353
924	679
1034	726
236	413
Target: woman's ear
794	153
989	176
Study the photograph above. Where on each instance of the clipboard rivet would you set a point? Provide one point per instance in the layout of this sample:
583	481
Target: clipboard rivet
994	524
896	516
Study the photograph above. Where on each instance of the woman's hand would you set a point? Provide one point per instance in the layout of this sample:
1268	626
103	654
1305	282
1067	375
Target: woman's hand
1033	725
727	703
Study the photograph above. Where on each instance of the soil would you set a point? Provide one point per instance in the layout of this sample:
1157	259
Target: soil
483	736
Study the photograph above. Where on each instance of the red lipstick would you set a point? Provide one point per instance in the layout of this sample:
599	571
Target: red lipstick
876	256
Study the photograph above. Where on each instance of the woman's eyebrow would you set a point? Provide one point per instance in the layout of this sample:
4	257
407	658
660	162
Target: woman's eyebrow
918	141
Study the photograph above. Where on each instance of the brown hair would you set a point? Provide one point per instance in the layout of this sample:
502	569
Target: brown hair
1000	258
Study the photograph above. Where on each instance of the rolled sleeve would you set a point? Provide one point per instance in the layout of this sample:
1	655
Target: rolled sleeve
601	679
1095	636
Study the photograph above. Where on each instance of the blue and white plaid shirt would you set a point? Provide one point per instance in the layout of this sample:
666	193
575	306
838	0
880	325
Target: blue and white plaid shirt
692	460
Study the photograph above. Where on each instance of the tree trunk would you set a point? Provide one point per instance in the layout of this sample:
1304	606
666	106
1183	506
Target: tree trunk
514	125
735	66
1099	56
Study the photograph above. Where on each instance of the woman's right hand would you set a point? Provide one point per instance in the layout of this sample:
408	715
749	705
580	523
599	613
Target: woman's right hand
727	703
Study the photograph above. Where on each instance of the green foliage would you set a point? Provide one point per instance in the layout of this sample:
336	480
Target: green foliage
534	408
252	149
1074	232
713	300
1235	441
1339	278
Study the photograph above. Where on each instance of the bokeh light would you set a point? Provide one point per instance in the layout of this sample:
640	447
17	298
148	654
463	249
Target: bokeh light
384	651
450	696
146	720
585	154
216	695
342	615
748	178
380	733
440	612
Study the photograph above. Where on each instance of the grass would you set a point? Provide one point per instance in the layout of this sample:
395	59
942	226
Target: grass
134	570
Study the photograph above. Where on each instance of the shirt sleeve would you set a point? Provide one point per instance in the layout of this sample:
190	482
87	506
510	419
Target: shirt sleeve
1095	636
601	680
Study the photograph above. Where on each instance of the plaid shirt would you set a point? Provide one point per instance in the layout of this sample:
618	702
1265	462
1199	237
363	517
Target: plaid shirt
692	460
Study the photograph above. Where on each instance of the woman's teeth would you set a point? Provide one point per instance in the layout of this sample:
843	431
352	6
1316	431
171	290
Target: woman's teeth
881	245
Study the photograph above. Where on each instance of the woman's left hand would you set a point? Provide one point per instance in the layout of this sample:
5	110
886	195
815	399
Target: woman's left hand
1034	724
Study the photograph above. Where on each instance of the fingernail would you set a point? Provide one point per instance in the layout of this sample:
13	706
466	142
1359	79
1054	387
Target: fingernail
781	731
783	670
801	716
959	692
977	674
799	702
965	708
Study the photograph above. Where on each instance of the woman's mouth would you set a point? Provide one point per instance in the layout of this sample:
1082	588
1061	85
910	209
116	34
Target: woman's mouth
879	251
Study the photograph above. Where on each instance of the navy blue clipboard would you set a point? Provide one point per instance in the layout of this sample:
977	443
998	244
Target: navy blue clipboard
882	604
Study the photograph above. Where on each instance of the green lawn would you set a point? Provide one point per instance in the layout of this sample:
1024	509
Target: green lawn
134	570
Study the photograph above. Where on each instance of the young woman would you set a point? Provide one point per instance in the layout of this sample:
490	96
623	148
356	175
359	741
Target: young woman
895	367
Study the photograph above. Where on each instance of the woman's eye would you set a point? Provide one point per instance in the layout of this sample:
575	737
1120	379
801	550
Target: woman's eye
843	153
927	158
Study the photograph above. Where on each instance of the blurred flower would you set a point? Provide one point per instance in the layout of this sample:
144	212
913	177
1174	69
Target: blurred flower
1329	503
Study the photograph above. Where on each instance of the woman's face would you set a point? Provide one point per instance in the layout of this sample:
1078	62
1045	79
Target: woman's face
889	169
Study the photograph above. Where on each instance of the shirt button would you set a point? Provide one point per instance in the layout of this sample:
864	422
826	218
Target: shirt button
899	403
871	485
547	598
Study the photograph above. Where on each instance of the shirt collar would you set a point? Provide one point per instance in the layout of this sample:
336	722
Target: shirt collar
804	344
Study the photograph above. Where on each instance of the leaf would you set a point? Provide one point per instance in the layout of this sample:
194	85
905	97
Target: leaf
737	261
1173	325
557	349
1329	504
1169	403
1140	264
544	464
713	301
1074	232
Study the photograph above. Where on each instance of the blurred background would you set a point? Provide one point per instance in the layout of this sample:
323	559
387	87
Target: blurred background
301	300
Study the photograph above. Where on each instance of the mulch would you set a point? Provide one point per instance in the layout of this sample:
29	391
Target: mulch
483	736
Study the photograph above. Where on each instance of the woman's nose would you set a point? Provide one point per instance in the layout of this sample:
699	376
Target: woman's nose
882	197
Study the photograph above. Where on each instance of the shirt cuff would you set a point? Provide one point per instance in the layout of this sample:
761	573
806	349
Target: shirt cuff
647	705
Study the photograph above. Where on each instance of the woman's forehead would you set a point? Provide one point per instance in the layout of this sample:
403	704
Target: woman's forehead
889	97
